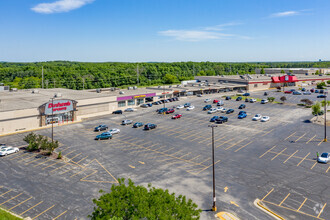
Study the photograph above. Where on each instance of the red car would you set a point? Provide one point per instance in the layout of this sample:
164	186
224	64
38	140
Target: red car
288	92
312	90
176	116
171	110
215	101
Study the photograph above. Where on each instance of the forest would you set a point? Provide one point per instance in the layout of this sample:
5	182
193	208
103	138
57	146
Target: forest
85	75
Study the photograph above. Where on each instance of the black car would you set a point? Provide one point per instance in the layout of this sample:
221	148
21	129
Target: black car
207	107
247	100
321	96
155	103
239	98
221	119
117	112
228	97
229	111
149	104
101	128
241	106
246	94
149	126
214	118
265	93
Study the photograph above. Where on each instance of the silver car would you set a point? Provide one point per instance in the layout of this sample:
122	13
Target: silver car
127	122
114	131
8	150
324	158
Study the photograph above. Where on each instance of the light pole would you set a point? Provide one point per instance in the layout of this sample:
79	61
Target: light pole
214	208
52	120
325	116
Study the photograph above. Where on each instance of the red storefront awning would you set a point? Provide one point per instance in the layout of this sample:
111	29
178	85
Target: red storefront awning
284	79
276	79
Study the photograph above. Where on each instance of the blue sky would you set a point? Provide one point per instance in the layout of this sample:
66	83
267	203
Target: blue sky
164	30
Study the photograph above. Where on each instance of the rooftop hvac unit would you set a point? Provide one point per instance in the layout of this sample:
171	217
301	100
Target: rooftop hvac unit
35	91
57	95
112	89
135	87
121	92
14	89
158	87
98	90
169	86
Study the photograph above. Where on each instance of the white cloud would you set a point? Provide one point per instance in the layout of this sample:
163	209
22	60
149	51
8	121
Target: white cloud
60	6
285	14
193	35
220	27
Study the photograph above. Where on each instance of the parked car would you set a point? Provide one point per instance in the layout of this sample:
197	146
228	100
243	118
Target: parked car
130	110
149	126
253	100
137	124
162	110
324	158
187	105
239	98
265	118
214	118
317	91
321	96
176	116
144	106
312	90
199	95
207	100
104	135
265	93
179	106
8	150
296	93
229	111
303	89
101	128
256	117
241	106
171	110
246	94
127	122
190	108
220	103
242	112
228	97
114	131
117	112
242	115
219	109
215	101
149	104
264	101
288	92
221	120
292	90
321	91
247	100
212	110
207	107
307	93
155	103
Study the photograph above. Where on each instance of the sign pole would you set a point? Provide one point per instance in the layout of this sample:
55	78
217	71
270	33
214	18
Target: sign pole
325	117
52	120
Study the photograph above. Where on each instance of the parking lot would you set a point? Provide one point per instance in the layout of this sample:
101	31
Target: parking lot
274	161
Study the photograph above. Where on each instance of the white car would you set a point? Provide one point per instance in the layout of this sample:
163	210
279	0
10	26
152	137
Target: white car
212	110
207	100
199	95
130	110
8	150
180	106
265	118
224	110
253	100
324	158
257	117
190	108
219	109
114	131
264	101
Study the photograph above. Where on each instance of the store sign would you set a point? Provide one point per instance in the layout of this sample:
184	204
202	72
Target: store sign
58	106
139	96
123	98
286	78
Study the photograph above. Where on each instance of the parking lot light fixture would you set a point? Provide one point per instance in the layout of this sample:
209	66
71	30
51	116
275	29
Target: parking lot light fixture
214	208
325	117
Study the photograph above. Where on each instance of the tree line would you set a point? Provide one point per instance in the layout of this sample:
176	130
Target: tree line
83	75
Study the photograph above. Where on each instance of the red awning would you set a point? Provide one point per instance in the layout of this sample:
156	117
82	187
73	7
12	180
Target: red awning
276	79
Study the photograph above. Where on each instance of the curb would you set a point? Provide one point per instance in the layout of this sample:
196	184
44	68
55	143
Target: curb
18	216
258	204
226	216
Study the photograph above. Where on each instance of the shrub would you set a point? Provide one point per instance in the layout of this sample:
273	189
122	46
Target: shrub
59	156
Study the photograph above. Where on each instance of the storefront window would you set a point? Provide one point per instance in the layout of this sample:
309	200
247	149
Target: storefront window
140	101
255	85
121	103
59	118
131	102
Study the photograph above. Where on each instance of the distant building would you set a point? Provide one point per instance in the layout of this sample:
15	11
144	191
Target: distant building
305	71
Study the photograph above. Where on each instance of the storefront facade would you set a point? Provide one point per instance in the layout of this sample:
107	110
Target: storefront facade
134	100
58	112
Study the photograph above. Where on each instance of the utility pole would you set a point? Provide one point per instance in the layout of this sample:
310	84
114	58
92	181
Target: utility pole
137	74
83	83
42	77
54	83
214	208
52	120
46	83
164	96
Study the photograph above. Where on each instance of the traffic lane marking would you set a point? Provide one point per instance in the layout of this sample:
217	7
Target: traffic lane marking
267	194
302	204
267	151
224	142
6	192
243	146
31	208
290	135
59	215
300	137
10	199
284	199
290	156
303	159
310	139
321	210
235	144
278	154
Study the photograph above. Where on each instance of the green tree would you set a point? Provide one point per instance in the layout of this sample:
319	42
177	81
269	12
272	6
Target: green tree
283	99
307	102
138	202
262	71
170	79
271	99
328	82
321	85
316	109
282	71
